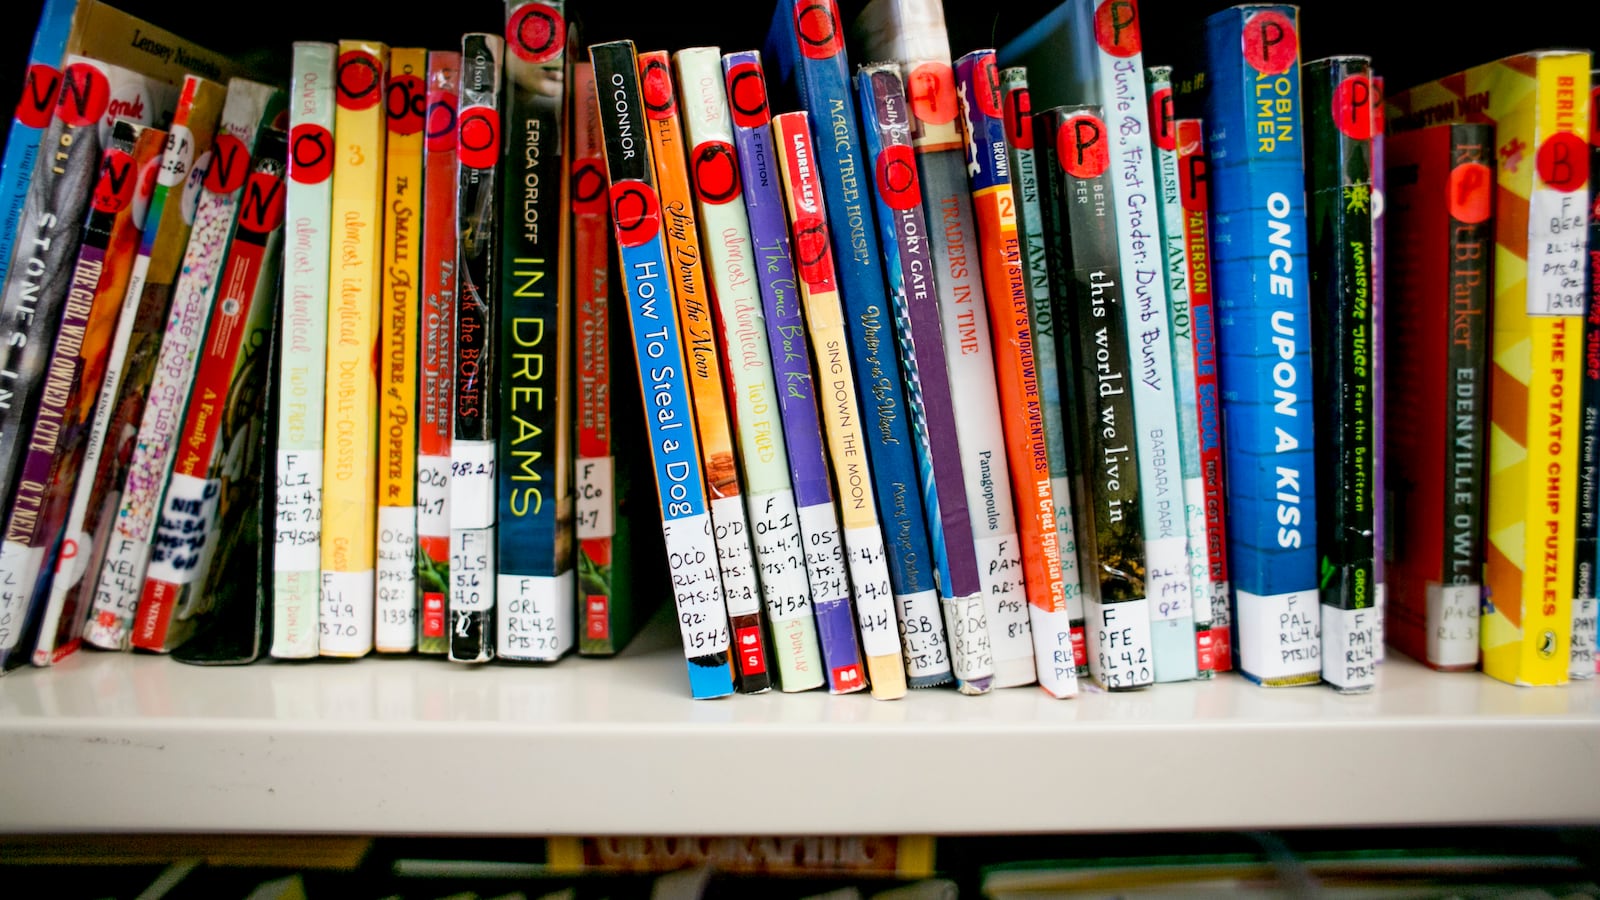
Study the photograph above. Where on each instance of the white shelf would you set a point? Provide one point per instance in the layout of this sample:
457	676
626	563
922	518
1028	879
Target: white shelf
110	742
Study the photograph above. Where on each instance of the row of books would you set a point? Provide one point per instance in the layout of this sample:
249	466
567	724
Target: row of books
923	399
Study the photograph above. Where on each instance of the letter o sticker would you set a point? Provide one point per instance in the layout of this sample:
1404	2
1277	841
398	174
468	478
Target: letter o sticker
310	153
716	172
588	186
896	175
478	137
358	80
816	28
635	211
747	96
536	33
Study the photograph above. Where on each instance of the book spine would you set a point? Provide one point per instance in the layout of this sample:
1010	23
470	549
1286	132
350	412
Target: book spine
1338	121
735	558
1016	369
663	379
535	585
742	335
41	85
350	410
599	565
822	613
813	47
1263	338
185	534
296	554
1195	193
1081	241
825	321
472	440
1017	111
903	229
1380	329
33	520
104	32
121	574
1586	533
1592	354
436	374
405	107
1180	325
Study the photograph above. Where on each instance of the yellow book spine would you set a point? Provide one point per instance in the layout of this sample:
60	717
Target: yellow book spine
350	470
405	102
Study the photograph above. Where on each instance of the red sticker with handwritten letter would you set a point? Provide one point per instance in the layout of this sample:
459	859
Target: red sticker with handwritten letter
1163	127
230	165
816	27
896	175
406	103
261	205
440	121
1563	162
536	33
931	87
84	95
114	188
655	86
310	153
747	96
358	80
588	185
1019	118
811	255
38	98
1270	43
1116	27
635	211
1082	147
715	171
1471	188
1352	107
986	84
478	137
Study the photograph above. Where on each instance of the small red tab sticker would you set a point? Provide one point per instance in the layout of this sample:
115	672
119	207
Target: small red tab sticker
1080	646
931	88
38	98
1563	162
635	211
441	122
1352	107
1019	118
747	643
1270	44
847	678
816	28
655	86
433	615
406	104
310	153
1163	128
230	165
478	137
1116	27
596	618
85	94
1471	192
896	175
715	171
536	33
113	190
747	96
589	186
1081	146
358	80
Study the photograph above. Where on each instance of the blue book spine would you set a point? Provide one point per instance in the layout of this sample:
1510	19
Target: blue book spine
814	57
34	109
1264	349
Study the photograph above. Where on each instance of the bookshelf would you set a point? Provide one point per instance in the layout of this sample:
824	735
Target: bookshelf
387	746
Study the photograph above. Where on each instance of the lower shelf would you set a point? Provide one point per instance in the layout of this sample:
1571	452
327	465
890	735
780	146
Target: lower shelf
113	742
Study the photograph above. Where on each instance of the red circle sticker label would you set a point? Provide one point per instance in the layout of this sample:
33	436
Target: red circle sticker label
1471	189
1194	173
38	99
1081	144
114	188
440	121
1019	118
816	26
635	211
589	186
1269	41
478	137
655	86
230	165
715	170
986	84
811	251
896	175
1563	162
310	153
1116	27
1163	126
747	96
1352	107
358	80
261	205
536	33
85	94
406	104
931	88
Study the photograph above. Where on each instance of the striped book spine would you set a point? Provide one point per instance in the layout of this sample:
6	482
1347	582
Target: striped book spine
1263	319
825	320
1017	110
472	440
903	230
1195	192
821	614
249	109
535	600
808	44
763	452
912	33
399	320
1180	326
739	580
186	532
663	378
1016	369
435	375
350	410
302	371
41	85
